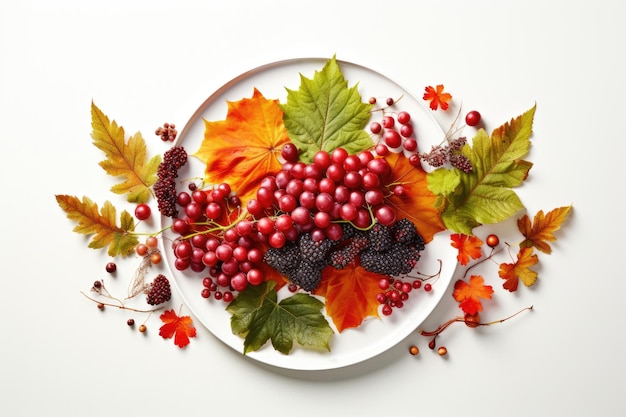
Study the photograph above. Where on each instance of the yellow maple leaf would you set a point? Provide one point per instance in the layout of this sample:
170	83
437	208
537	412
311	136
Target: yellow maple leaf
542	229
244	148
124	159
101	223
520	270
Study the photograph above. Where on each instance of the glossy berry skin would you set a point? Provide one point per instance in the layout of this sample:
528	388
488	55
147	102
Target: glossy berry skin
472	118
142	211
492	241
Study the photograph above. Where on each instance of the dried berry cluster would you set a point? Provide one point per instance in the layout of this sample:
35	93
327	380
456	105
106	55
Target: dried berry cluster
165	187
448	153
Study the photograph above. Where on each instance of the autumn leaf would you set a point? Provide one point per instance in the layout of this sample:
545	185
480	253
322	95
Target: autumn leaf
325	114
520	270
418	202
542	230
124	159
102	224
257	316
179	327
350	295
242	149
437	97
467	246
484	195
468	295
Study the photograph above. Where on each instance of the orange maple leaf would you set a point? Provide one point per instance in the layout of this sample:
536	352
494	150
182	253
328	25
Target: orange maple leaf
519	270
181	328
418	203
468	295
244	148
541	230
437	97
468	247
350	295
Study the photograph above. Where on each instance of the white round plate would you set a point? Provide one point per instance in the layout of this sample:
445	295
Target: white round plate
375	335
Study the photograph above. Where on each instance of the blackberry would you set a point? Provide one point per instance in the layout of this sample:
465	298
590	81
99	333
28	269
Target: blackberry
312	251
398	260
308	275
380	237
159	291
404	231
342	257
285	260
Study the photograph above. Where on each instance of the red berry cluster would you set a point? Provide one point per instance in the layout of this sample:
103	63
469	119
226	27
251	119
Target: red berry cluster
209	239
394	132
314	198
395	292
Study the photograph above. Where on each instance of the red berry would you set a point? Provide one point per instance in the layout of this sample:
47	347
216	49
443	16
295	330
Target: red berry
289	152
403	117
111	267
142	211
472	118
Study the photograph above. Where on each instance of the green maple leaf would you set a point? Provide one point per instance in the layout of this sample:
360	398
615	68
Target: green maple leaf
325	114
124	158
484	196
258	317
101	224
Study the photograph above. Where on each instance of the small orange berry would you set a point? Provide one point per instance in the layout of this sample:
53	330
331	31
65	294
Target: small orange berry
493	240
152	242
442	351
141	249
155	258
414	350
143	328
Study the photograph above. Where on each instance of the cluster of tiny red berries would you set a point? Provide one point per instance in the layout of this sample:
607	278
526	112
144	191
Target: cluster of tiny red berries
395	292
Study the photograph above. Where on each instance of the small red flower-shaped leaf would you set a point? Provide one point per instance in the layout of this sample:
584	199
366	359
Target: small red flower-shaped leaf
469	294
437	97
468	247
179	327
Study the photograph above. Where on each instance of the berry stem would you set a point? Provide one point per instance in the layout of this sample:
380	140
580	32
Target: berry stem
121	306
493	252
469	323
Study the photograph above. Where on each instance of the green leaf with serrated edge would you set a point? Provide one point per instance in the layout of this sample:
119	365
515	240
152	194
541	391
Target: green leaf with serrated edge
484	195
101	224
258	317
325	114
125	159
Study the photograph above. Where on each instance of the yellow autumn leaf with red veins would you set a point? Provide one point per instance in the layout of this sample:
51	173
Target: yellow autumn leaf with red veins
242	149
520	270
417	203
350	295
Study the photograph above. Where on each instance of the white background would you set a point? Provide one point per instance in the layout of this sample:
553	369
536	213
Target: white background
146	62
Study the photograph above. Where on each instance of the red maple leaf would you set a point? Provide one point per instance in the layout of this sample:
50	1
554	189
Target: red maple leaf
469	294
468	247
350	295
180	328
437	97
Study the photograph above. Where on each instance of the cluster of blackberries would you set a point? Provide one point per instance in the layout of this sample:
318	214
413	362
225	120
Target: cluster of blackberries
387	250
165	186
159	291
